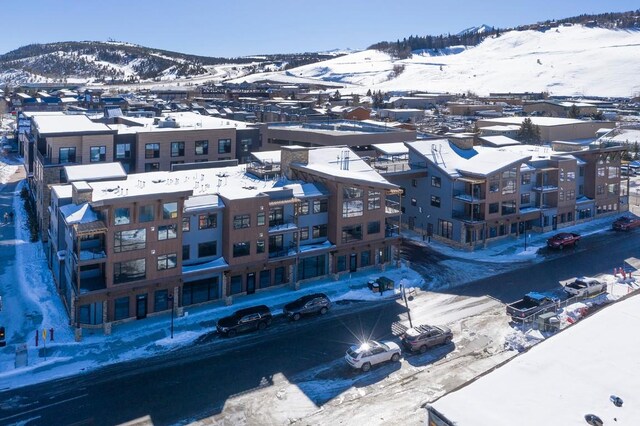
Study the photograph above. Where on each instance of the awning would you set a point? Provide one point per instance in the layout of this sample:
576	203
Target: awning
283	202
471	180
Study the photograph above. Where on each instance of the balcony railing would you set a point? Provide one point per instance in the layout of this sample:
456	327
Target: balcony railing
399	166
467	217
90	254
391	207
545	188
468	198
48	161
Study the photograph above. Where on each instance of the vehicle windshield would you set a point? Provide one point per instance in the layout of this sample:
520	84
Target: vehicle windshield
352	353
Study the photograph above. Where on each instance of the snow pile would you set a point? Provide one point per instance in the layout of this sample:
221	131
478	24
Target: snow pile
520	340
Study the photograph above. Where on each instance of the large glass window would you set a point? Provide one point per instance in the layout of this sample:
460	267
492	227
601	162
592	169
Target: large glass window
349	192
319	231
494	183
152	150
160	300
202	147
613	172
235	286
311	267
210	248
262	219
207	221
352	208
276	245
167	232
351	233
121	308
133	239
373	227
242	249
303	209
146	213
200	291
123	151
320	206
131	270
276	216
508	207
224	146
122	216
365	258
67	155
167	261
151	167
265	279
374	200
170	210
241	221
280	275
97	154
177	149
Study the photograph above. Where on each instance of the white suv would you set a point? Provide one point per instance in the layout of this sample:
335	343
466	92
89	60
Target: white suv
372	353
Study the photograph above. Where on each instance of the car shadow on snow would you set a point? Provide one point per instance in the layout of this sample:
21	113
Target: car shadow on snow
416	359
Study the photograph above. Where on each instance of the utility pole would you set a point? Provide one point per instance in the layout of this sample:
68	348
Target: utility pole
406	303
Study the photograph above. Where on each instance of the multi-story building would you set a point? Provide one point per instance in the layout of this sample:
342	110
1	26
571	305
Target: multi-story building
467	195
125	248
552	128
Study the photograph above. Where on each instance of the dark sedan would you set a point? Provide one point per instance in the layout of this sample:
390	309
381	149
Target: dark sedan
309	304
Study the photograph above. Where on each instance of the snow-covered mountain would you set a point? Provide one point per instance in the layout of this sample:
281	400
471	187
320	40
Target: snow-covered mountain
476	30
567	60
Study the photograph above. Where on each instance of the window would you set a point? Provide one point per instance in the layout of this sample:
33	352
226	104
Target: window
612	189
241	221
167	232
414	183
186	252
581	171
493	208
177	149
242	249
349	193
561	194
160	300
571	194
210	248
508	186
600	190
525	178
319	231
436	181
260	246
167	261
571	176
67	155
352	208
202	147
508	207
311	267
445	228
276	245
207	221
280	276
373	227
152	167
365	258
276	216
374	200
245	145
351	233
170	210
123	151
303	208
133	239
186	224
97	154
235	286
122	216
224	146
414	202
319	206
131	270
121	308
146	213
601	171
304	233
525	198
152	150
200	291
613	172
494	183
341	263
435	201
262	217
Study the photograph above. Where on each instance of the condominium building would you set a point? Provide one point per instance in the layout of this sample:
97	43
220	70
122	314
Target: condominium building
125	248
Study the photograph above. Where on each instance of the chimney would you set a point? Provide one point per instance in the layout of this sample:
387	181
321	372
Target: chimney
81	192
292	154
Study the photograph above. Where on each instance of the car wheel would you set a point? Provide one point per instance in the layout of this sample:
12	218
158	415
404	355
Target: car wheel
262	325
423	349
323	310
295	316
395	357
561	246
231	333
366	367
447	340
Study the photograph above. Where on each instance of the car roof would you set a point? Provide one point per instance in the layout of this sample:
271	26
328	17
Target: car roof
252	309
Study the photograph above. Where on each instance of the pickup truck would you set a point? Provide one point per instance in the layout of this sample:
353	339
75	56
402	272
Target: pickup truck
562	240
584	286
531	303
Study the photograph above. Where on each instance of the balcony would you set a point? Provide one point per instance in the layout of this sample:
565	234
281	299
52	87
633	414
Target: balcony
391	207
398	166
469	198
264	170
88	256
48	161
467	217
545	188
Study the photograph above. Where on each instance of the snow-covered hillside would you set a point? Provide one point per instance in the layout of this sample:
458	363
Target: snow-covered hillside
568	60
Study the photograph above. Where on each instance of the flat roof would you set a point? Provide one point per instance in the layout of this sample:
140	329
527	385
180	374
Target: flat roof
538	121
499	140
185	121
95	171
560	380
77	123
393	148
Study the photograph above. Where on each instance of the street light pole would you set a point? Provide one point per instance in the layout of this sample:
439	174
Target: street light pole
406	303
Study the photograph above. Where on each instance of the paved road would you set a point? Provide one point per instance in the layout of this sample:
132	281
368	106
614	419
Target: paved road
195	382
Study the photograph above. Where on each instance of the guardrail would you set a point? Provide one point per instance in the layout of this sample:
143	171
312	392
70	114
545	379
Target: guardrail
531	321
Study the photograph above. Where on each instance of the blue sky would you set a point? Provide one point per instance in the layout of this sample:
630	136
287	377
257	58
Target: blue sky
244	27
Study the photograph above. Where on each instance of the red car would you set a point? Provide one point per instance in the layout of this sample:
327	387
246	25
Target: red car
626	223
562	240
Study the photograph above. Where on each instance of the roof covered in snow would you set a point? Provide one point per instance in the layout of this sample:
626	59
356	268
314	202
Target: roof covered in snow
78	213
55	124
394	148
95	171
562	379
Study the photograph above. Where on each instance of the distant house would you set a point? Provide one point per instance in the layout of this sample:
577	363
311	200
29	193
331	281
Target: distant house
558	109
405	115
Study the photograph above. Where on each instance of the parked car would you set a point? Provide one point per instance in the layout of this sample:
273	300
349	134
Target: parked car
372	353
585	286
248	319
423	337
309	304
626	223
531	303
627	171
562	240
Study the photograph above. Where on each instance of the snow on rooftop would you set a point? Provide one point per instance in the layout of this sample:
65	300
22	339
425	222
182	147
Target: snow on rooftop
62	191
499	140
184	121
202	202
78	213
394	148
67	124
268	156
95	171
562	379
538	121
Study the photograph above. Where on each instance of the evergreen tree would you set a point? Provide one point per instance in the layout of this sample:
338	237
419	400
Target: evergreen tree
529	133
574	112
369	92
